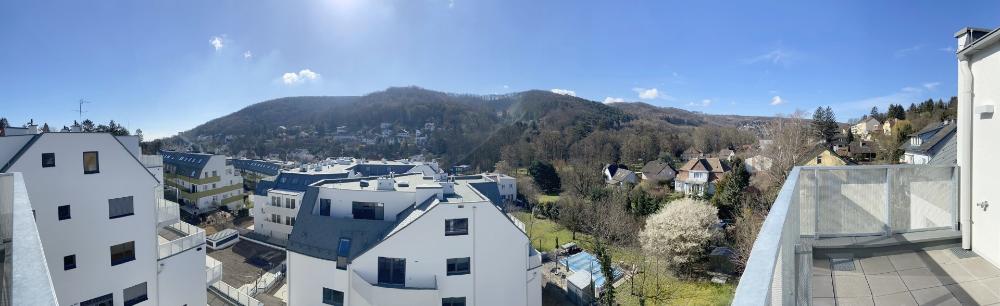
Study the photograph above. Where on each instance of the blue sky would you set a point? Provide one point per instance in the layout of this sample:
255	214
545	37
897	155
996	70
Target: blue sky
167	66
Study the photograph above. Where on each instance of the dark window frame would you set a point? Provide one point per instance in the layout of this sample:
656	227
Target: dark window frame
126	255
139	298
69	262
64	215
368	210
458	266
120	212
456	227
48	160
331	297
453	301
99	300
97	162
392	271
325	205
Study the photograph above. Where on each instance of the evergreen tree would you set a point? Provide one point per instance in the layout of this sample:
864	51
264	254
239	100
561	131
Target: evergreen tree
3	122
545	177
608	291
731	188
824	124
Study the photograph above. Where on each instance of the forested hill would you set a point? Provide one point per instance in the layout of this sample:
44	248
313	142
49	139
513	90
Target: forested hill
467	129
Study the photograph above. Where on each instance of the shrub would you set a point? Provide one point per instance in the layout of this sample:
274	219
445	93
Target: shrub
681	233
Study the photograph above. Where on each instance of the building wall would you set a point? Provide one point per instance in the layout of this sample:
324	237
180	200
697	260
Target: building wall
826	158
89	234
182	278
307	276
263	210
986	74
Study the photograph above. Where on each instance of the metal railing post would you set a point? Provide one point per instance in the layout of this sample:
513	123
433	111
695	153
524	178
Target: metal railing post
888	201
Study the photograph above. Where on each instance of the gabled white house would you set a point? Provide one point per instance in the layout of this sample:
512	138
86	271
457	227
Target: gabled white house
108	236
202	182
410	240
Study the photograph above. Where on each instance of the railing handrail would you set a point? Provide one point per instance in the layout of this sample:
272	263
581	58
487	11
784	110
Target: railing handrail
755	286
869	167
26	278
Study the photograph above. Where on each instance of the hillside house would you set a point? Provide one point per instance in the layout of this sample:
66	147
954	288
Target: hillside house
658	171
698	176
866	127
930	142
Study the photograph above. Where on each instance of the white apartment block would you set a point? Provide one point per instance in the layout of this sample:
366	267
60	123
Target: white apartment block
108	236
410	240
202	182
277	202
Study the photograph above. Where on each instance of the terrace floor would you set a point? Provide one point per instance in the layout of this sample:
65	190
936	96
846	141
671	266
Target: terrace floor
929	277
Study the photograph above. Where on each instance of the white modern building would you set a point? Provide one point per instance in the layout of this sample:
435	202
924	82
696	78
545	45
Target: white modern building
410	240
277	202
202	182
108	236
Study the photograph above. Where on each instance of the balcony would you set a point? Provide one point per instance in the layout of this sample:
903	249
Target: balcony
179	237
213	270
25	273
866	235
424	293
151	161
167	212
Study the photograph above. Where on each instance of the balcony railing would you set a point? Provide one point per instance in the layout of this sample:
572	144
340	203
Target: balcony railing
190	237
374	294
151	160
817	202
26	279
236	295
167	212
213	270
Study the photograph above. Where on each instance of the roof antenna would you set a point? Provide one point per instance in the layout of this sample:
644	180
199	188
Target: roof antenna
79	108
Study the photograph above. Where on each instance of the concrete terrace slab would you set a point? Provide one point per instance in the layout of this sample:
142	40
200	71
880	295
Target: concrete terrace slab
916	277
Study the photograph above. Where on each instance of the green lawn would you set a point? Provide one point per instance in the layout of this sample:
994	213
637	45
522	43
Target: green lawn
670	291
542	198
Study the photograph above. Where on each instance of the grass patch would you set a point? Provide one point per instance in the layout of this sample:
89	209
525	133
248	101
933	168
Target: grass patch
542	198
545	233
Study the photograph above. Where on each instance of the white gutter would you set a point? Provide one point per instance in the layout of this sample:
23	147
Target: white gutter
965	106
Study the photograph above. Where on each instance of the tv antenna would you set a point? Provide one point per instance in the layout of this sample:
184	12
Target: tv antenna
79	108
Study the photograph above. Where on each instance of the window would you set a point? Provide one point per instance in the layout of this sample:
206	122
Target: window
456	227
453	301
69	262
48	160
819	159
120	207
135	294
275	201
64	212
290	221
122	253
368	210
343	251
324	207
215	173
91	163
213	186
276	218
458	266
333	297
391	271
105	300
291	203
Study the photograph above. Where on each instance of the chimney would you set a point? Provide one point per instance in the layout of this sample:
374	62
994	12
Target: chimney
966	36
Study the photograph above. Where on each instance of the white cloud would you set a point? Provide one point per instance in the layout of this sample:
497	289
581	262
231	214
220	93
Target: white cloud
609	100
777	100
931	85
647	93
949	49
907	51
247	55
217	42
703	103
305	75
451	3
903	95
779	56
564	92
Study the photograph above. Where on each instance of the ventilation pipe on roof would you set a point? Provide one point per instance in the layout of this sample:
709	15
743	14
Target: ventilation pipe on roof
965	117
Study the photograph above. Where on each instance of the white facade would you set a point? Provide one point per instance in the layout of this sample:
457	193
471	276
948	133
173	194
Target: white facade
92	196
503	268
978	95
211	184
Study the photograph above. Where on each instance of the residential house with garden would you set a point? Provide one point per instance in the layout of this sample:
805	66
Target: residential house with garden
698	176
658	171
202	182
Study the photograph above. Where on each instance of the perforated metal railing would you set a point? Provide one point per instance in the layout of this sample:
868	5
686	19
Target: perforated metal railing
841	202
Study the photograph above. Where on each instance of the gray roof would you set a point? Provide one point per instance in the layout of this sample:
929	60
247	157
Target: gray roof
318	236
258	166
186	164
947	154
933	137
